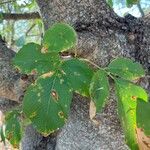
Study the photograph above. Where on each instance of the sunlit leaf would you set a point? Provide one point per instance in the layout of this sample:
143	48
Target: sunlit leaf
127	101
60	37
99	89
126	68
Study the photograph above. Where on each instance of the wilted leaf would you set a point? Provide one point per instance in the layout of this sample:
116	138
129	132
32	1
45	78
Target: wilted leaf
30	60
47	103
126	68
127	101
78	75
60	37
99	89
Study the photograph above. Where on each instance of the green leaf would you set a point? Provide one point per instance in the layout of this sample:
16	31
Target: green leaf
127	101
143	116
126	68
99	89
30	60
47	103
13	129
2	134
78	75
60	37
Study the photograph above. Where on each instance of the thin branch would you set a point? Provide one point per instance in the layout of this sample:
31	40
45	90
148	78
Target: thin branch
25	16
28	31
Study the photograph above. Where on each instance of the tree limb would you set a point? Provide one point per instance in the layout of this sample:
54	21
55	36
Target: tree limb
25	16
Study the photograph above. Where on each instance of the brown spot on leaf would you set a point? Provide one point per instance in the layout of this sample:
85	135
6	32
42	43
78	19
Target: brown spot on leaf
134	97
142	139
61	114
54	95
44	49
45	134
17	69
48	74
24	77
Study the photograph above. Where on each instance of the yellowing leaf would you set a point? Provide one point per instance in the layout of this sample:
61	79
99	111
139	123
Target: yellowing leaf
128	94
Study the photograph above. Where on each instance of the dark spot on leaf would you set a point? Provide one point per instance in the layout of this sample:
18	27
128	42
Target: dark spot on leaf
61	114
24	77
134	97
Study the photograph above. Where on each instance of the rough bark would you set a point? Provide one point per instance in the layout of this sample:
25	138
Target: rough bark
103	36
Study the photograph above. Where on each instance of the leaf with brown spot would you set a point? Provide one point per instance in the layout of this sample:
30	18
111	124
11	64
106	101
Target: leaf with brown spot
53	109
44	50
54	95
143	140
127	92
30	60
48	74
13	129
126	68
143	116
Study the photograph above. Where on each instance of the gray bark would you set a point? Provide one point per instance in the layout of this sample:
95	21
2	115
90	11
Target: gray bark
103	36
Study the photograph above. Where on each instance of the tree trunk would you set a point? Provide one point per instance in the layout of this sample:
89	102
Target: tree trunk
103	36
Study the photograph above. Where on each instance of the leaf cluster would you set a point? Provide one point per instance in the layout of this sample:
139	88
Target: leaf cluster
47	101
